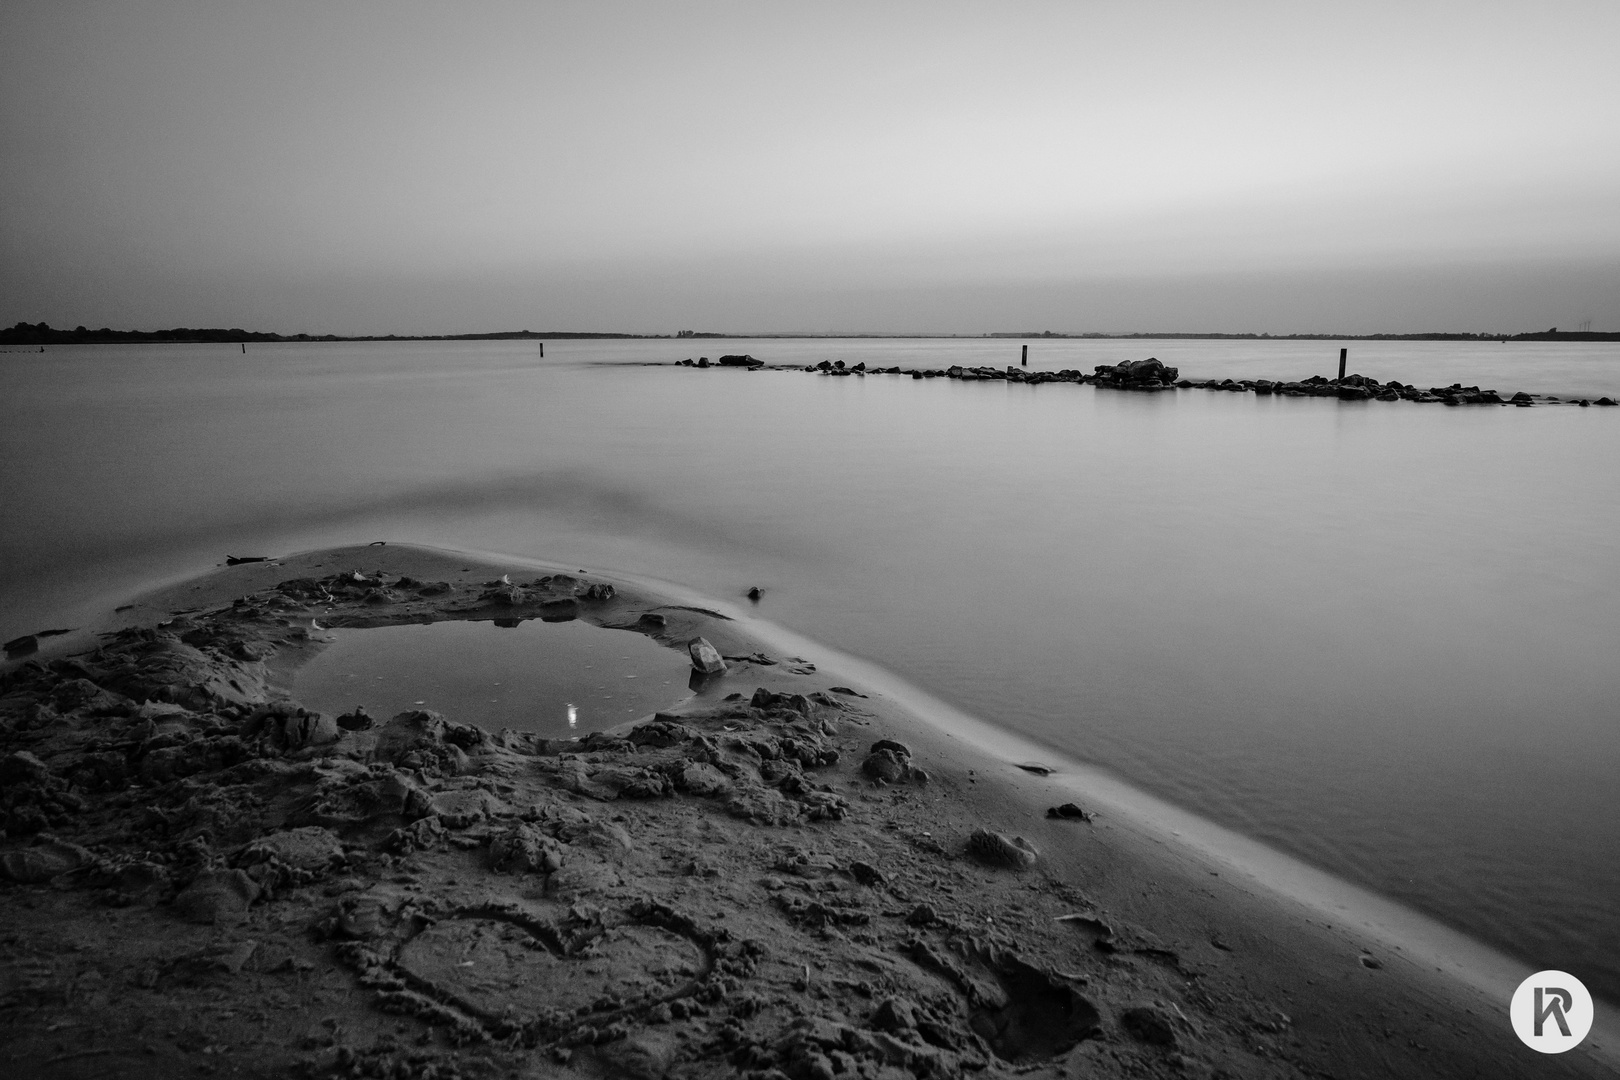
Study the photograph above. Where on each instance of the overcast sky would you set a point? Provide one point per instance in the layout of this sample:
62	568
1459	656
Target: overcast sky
442	167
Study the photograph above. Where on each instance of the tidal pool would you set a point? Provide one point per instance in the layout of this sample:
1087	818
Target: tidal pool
555	679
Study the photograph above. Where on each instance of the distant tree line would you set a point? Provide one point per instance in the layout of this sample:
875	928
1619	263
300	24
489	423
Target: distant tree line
25	333
44	334
1554	334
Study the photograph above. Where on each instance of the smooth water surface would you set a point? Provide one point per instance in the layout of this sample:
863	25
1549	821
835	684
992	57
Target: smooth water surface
556	679
1379	636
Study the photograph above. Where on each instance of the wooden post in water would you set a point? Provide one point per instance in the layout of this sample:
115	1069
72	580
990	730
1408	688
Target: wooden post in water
1342	354
1025	360
542	350
244	348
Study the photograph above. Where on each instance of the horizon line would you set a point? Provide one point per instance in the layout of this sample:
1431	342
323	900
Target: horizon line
24	333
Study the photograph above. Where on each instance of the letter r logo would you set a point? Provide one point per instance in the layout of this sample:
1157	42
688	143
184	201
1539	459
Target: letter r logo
1561	1002
1551	1012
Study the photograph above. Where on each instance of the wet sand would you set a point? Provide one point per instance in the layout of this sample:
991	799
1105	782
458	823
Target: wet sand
806	869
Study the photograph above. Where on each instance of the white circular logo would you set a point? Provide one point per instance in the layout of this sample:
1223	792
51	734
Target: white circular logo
1551	1012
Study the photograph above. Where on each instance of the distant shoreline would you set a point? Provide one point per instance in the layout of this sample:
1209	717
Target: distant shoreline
42	334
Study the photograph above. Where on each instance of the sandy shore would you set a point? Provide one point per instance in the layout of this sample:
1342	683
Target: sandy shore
800	871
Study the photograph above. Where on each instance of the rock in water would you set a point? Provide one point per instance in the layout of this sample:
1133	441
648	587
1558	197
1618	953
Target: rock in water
705	657
995	849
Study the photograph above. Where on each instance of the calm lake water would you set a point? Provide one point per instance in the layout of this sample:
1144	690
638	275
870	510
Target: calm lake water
1381	637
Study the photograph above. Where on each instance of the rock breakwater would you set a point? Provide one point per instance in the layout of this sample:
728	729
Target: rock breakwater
1151	376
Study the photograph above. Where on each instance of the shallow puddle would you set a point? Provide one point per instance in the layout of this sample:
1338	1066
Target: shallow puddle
555	679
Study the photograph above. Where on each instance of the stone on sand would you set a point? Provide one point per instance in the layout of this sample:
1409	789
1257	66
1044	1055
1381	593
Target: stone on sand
705	657
994	849
217	896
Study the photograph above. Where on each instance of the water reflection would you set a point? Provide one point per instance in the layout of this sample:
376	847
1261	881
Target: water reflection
555	679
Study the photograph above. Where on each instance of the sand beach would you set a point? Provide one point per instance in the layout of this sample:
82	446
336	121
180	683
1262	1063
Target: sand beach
797	870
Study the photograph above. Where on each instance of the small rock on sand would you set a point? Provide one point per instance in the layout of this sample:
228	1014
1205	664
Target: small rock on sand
1148	1025
885	765
890	762
894	1015
866	874
994	849
217	896
1068	812
310	729
705	657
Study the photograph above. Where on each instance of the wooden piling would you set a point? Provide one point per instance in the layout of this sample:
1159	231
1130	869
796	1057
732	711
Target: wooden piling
1025	360
542	350
1343	353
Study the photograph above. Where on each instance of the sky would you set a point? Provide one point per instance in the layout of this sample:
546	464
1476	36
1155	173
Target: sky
413	167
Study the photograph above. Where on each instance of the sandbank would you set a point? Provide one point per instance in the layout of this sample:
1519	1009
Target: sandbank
805	869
